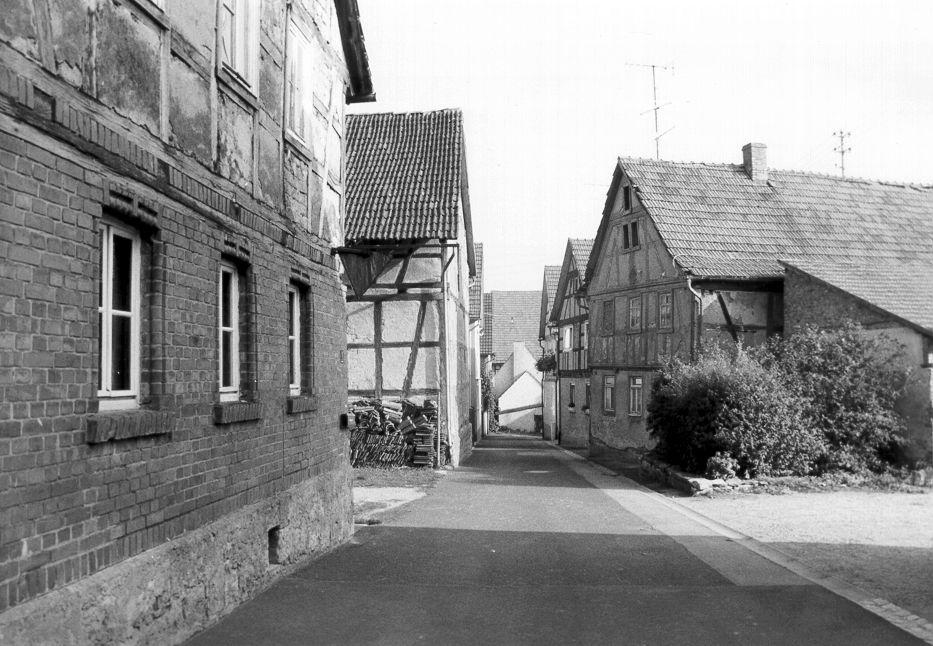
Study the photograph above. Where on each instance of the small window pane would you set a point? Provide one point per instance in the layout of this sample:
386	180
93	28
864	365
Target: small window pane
122	273
226	372
100	351
291	313
625	244
634	226
225	289
120	353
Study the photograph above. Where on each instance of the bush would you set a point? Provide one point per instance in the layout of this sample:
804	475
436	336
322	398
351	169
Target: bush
816	402
728	404
849	381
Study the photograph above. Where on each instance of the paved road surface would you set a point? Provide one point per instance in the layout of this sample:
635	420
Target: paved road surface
526	544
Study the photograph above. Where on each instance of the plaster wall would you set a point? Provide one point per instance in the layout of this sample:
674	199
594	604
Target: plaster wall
574	427
811	302
524	392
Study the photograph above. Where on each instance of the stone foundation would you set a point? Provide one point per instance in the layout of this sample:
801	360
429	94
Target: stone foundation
170	592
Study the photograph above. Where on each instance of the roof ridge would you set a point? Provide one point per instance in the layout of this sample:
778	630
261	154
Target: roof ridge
622	159
390	113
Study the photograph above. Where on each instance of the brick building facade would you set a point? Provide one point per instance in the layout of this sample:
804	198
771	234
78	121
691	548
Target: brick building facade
170	187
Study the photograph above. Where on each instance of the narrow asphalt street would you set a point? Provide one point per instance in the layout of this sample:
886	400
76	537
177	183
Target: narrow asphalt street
527	544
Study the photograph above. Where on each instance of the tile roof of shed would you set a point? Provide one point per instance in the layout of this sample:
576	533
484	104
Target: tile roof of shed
904	289
404	175
476	289
720	223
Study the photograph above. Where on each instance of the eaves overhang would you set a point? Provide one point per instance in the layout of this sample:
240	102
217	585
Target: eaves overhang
360	89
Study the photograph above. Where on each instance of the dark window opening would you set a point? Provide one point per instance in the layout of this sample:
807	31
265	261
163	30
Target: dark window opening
634	227
626	197
625	244
274	545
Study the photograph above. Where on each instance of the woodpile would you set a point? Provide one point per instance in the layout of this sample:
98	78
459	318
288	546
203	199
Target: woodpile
395	433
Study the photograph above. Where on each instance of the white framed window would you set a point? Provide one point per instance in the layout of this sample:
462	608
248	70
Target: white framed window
118	310
634	313
568	338
239	39
299	81
228	325
294	341
609	394
635	396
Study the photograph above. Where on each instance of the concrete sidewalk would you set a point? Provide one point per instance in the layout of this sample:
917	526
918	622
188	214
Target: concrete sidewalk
526	544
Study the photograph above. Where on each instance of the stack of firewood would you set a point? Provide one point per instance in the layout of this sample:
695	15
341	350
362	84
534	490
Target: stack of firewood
395	433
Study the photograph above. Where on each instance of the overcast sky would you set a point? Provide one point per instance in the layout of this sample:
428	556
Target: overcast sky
552	93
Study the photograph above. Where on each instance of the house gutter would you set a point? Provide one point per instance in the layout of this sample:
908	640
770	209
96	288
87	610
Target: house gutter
696	316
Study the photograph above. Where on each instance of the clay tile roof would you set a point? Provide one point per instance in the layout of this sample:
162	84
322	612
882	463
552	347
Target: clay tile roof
551	277
549	290
720	223
581	249
404	175
485	341
904	289
514	317
476	289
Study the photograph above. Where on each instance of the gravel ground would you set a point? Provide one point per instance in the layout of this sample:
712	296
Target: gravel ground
880	542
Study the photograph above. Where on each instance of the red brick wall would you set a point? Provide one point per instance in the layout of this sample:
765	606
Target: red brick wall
79	489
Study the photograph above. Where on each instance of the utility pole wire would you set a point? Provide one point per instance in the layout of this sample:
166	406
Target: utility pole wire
655	107
842	149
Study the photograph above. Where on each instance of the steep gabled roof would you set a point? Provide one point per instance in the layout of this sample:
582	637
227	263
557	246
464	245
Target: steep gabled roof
514	318
718	222
902	289
485	341
548	291
476	289
576	258
404	176
581	249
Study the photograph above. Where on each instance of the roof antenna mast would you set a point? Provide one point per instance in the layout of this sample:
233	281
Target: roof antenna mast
655	107
842	149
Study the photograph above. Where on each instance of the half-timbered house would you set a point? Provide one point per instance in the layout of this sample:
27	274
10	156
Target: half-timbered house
408	259
569	313
688	254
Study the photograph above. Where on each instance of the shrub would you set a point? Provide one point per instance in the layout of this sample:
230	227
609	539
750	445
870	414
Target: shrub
727	403
849	381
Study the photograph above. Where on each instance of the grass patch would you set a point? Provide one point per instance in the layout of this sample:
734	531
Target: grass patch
394	477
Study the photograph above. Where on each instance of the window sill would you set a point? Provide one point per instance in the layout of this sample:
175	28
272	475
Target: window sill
229	80
634	414
300	404
127	424
233	412
299	145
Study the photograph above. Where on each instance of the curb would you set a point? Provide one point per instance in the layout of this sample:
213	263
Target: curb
890	612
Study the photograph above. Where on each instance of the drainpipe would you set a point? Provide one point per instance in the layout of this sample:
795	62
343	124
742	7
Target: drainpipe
696	316
444	353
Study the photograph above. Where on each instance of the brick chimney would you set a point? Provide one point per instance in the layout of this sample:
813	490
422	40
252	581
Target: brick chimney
755	160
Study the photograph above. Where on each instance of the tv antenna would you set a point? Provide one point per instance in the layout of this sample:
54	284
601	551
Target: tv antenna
655	107
842	149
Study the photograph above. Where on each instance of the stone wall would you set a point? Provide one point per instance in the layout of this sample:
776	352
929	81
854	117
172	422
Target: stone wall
149	133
